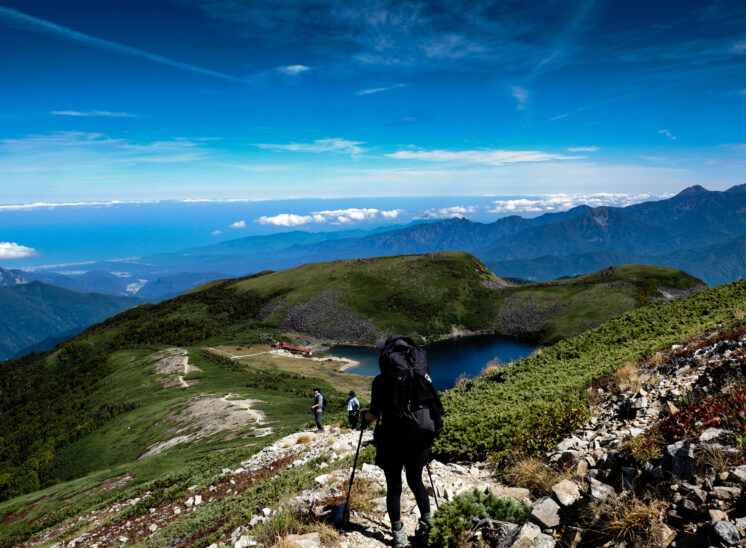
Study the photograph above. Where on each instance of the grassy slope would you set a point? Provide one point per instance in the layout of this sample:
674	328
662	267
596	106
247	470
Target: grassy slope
535	402
114	447
109	372
427	295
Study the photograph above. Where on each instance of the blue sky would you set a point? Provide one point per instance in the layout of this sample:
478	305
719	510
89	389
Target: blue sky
187	99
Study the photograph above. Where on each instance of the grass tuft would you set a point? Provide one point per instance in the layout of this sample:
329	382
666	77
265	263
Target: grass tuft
628	518
626	378
534	474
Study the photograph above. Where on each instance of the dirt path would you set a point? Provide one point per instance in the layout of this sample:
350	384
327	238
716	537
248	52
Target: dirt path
236	356
186	370
174	364
246	404
204	416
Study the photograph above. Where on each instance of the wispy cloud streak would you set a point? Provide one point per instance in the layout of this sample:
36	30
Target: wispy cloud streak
371	91
489	157
667	133
334	145
88	113
293	70
17	19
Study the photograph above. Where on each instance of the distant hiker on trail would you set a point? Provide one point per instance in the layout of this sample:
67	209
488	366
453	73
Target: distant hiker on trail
319	404
353	409
410	415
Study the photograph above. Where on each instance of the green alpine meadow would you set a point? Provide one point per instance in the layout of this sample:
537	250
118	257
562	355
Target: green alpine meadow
162	397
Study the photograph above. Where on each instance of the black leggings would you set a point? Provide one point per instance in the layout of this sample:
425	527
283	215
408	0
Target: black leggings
393	493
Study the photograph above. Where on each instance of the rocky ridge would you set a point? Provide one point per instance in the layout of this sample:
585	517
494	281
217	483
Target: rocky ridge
663	442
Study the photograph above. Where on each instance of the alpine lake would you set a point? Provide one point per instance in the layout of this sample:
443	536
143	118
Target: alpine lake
449	359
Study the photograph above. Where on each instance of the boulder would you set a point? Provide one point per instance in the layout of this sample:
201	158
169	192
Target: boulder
566	492
727	533
683	463
717	515
710	434
569	443
694	492
739	474
581	468
245	541
378	505
600	490
545	513
528	536
309	540
726	493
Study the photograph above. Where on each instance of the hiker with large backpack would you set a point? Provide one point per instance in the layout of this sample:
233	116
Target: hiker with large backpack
410	416
319	404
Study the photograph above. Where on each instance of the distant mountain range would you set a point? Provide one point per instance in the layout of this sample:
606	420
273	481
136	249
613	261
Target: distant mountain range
37	316
699	231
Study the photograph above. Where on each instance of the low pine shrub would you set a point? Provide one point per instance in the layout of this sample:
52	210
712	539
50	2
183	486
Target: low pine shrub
454	517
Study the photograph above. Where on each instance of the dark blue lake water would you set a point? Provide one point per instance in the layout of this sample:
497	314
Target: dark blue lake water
448	359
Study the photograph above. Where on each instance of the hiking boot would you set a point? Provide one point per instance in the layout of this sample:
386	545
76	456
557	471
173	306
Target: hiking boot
420	534
400	537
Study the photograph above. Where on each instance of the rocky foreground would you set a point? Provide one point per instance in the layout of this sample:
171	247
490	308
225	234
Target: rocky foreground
662	462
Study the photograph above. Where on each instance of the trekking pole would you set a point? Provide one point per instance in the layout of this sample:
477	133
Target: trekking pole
435	494
342	515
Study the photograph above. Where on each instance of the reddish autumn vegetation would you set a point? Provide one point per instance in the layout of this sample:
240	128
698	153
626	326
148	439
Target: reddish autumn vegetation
717	411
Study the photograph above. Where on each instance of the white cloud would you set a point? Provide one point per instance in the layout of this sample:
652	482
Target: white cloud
371	91
87	113
551	203
521	95
449	212
239	224
293	70
739	47
333	145
285	219
742	92
668	134
216	232
11	250
333	216
489	157
593	148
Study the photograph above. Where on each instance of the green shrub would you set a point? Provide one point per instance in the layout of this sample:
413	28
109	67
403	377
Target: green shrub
454	517
540	399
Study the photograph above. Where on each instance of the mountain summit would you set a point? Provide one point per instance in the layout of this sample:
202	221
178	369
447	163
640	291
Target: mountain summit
737	189
692	191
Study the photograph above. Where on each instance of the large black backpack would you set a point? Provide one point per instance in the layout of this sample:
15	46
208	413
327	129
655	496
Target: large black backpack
412	398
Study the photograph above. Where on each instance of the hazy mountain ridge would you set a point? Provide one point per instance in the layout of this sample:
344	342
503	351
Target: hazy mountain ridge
551	245
34	312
